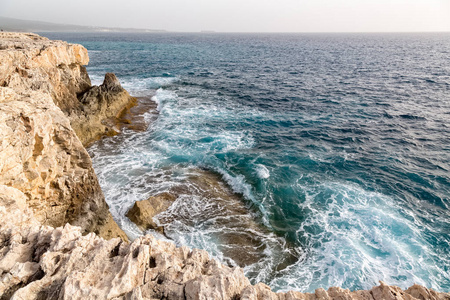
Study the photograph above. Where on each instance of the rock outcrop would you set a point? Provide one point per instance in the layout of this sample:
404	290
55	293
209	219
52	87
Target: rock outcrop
34	63
101	108
40	154
142	212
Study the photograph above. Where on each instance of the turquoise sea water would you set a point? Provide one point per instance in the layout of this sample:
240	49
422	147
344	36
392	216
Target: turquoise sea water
338	143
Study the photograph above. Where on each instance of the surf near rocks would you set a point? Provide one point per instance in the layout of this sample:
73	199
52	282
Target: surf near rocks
48	185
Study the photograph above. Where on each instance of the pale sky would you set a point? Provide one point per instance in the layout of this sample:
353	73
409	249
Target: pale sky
241	15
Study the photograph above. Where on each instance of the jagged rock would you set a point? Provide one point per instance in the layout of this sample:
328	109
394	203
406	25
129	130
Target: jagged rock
41	262
101	108
41	156
33	63
111	83
142	212
381	292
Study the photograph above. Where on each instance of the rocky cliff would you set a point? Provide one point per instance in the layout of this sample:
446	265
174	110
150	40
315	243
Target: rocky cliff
30	62
50	197
40	153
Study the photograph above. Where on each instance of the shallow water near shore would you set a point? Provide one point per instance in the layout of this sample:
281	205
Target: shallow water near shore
333	150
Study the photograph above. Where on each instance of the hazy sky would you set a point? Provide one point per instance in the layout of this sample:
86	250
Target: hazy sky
240	15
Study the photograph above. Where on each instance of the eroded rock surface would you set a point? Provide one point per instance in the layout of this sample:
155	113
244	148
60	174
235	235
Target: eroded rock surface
33	63
40	154
41	262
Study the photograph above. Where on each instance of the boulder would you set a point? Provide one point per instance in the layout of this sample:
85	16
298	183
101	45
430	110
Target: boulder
142	212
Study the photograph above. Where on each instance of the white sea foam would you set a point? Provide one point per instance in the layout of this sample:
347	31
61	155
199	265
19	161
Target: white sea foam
179	124
145	86
351	236
162	96
356	236
238	184
96	79
137	87
262	172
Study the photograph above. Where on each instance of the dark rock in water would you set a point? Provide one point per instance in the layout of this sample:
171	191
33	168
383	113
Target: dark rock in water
142	212
206	201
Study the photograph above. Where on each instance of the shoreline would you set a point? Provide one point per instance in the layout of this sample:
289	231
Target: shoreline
38	260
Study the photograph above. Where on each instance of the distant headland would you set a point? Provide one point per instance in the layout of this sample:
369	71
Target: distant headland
11	24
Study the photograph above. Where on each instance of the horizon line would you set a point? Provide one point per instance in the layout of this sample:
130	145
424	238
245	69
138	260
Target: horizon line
203	31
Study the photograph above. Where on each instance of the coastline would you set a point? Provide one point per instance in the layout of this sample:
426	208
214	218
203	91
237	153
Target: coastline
148	268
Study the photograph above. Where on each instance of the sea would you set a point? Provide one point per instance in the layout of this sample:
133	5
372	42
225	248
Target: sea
309	160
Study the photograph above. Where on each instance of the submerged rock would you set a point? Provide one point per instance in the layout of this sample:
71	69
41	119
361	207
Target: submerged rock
139	116
142	212
206	204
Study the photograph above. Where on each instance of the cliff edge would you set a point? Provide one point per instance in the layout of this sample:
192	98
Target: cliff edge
29	62
53	215
40	154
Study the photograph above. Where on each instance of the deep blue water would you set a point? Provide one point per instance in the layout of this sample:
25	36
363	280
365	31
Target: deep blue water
339	143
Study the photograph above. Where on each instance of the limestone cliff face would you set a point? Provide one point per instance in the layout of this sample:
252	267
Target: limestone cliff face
40	154
34	63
